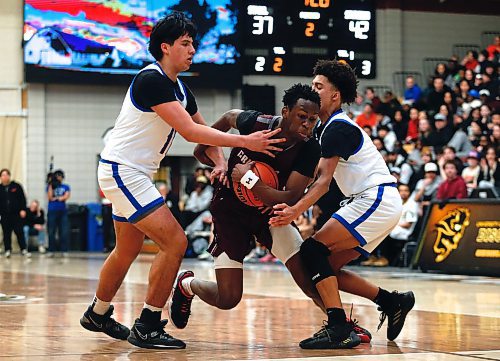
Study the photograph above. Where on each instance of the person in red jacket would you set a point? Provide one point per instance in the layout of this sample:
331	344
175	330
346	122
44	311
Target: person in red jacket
454	186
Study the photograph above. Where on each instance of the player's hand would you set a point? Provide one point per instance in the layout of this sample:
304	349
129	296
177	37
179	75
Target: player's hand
239	171
220	173
283	215
261	142
266	210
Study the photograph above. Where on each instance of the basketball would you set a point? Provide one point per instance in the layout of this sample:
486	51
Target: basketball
266	175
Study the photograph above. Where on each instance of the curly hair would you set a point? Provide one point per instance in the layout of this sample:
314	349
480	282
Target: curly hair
300	91
168	30
341	75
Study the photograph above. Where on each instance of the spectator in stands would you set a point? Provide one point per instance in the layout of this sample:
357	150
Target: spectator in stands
412	92
436	95
379	144
443	132
485	113
472	102
478	82
426	188
484	96
34	225
490	170
396	162
426	134
389	105
453	187
191	181
463	89
368	117
413	125
441	71
450	103
449	154
494	49
460	139
372	98
470	174
470	60
475	132
357	107
198	201
388	136
495	137
469	76
400	125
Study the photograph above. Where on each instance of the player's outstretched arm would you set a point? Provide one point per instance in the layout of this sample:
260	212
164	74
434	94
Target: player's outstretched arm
285	214
177	117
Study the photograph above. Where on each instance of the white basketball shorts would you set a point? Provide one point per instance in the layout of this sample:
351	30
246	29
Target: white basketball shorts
131	192
371	215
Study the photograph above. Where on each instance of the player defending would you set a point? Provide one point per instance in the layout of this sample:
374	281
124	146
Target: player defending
372	212
156	107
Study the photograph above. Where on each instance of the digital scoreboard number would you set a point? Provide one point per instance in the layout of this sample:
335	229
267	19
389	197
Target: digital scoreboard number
288	37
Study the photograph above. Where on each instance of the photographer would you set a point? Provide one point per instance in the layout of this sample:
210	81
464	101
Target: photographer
57	216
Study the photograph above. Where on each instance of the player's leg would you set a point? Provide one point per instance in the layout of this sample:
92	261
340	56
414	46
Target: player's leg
162	228
225	293
363	218
97	318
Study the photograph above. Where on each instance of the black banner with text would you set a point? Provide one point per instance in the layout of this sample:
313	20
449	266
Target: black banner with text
461	236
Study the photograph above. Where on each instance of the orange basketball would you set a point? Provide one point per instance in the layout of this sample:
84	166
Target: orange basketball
266	175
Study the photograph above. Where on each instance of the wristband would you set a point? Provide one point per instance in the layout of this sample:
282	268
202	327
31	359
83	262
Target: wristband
249	179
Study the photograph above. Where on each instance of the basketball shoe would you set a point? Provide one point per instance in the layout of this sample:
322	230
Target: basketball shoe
104	323
332	337
364	335
179	305
396	313
153	336
362	332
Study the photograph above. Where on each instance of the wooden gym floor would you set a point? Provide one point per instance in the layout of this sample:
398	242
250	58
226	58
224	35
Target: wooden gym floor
455	317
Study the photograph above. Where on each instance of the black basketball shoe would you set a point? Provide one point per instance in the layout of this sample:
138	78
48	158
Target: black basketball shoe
104	323
179	305
332	337
396	314
153	336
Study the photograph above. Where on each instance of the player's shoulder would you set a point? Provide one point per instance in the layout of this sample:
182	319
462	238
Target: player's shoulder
312	146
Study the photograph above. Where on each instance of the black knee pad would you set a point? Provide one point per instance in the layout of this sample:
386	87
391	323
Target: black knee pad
315	254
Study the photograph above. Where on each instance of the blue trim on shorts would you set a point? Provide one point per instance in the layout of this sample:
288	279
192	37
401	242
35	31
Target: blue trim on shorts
119	219
350	228
370	210
124	189
363	252
142	210
107	161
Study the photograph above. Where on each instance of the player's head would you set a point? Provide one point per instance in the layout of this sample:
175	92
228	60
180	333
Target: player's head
335	82
173	36
300	111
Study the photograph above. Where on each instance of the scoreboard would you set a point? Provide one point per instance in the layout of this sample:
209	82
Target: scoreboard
287	37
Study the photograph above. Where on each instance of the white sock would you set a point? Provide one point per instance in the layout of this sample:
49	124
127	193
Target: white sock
100	307
186	285
152	308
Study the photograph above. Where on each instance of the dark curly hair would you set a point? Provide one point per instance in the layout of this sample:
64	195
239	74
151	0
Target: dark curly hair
168	30
341	75
300	91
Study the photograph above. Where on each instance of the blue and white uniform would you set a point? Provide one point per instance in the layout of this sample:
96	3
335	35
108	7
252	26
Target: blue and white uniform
373	207
138	142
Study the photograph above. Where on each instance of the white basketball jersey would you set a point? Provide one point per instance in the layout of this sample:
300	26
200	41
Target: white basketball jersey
364	169
140	138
